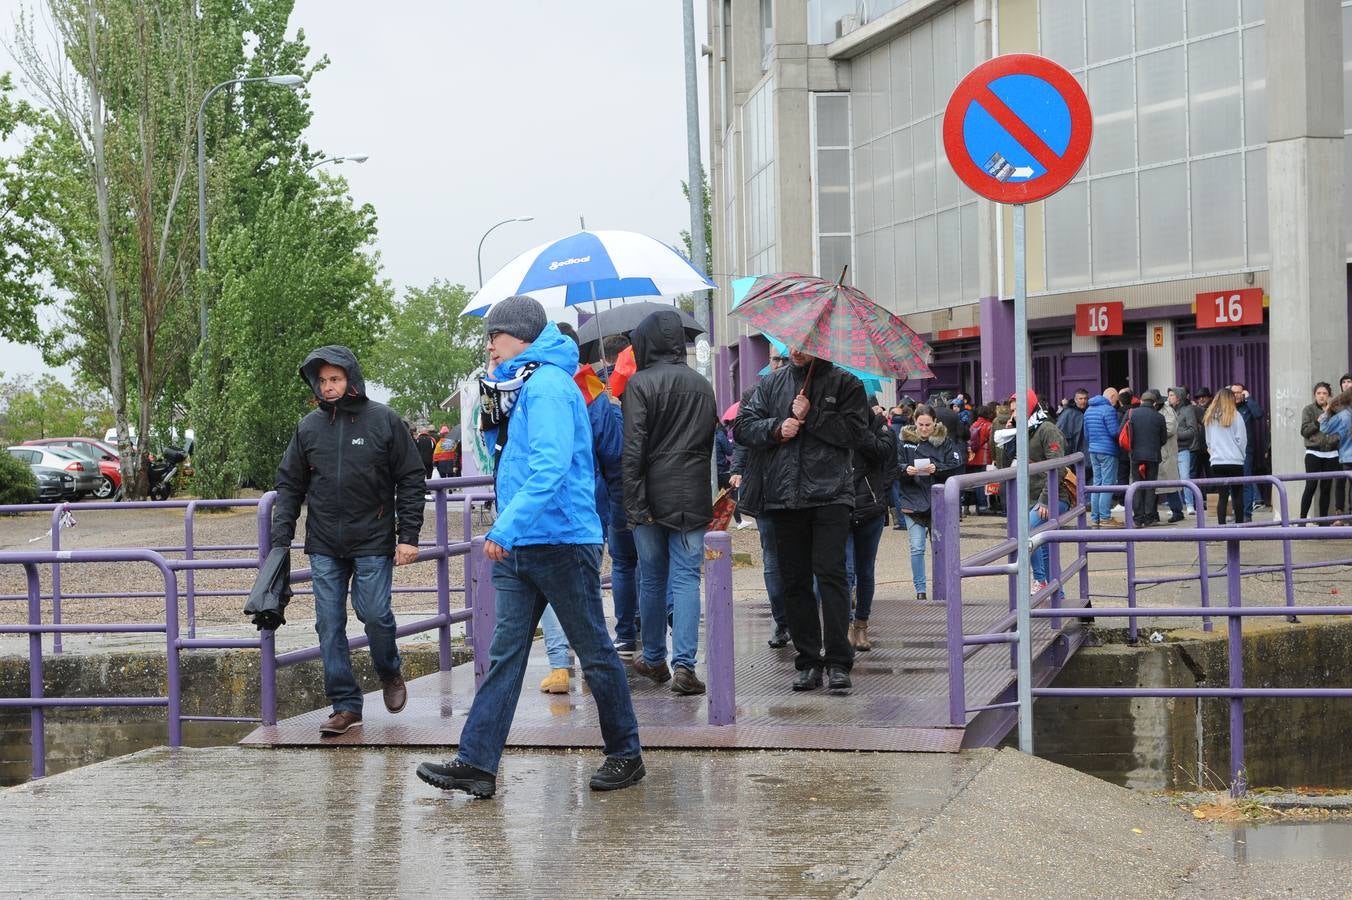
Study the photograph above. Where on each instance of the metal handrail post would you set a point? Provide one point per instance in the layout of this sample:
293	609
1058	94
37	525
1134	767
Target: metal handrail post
1235	653
718	613
951	577
1054	553
36	717
1082	548
57	514
1012	535
444	660
172	674
189	581
485	608
267	639
1284	505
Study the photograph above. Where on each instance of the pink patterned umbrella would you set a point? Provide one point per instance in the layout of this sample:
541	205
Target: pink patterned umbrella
836	322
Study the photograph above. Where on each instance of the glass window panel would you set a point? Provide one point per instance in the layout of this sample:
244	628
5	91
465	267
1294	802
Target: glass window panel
834	255
946	53
947	190
971	265
1162	116
950	257
926	264
1206	16
1256	215
1217	213
1164	220
920	47
1255	86
901	83
1109	29
1158	22
863	188
861	124
1347	73
1067	236
1112	208
922	147
1062	30
833	120
880	93
1213	94
884	273
1110	97
966	41
905	265
882	182
903	185
1347	195
1253	12
833	191
864	274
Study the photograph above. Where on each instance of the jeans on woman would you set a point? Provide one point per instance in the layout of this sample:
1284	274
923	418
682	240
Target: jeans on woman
861	554
917	531
1105	472
1185	472
1229	491
1042	556
556	642
1323	485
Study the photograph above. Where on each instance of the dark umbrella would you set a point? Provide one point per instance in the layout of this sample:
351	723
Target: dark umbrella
622	319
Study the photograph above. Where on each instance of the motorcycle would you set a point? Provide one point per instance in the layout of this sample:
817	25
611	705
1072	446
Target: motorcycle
164	473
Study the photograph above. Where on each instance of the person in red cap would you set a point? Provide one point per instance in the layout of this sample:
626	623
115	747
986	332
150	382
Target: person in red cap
443	455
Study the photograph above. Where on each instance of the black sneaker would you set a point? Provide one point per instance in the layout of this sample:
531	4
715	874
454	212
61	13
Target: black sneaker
839	681
921	595
617	772
780	638
626	649
808	679
453	775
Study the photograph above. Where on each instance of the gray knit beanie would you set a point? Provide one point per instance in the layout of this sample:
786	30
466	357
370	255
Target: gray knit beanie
520	316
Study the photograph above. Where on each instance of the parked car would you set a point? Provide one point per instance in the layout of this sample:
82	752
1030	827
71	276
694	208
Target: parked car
54	485
95	451
84	472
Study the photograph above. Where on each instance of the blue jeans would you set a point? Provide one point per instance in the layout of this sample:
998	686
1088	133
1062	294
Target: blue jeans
568	578
556	642
669	566
774	587
370	578
917	531
861	553
1250	490
624	583
1105	472
1185	472
1042	556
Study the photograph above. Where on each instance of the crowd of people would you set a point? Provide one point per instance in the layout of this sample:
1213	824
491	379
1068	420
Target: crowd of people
619	455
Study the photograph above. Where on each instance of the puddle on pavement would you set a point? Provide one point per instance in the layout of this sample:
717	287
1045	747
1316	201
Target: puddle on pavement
1290	841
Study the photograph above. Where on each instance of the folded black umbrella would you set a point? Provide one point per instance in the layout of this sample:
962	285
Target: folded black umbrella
623	319
271	591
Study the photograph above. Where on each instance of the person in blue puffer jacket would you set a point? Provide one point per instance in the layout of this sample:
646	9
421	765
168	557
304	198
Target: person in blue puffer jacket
1100	439
545	547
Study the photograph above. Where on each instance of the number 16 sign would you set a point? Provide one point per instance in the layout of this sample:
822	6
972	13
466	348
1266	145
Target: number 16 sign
1230	309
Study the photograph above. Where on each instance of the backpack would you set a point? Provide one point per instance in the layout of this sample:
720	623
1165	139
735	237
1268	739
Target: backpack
1124	436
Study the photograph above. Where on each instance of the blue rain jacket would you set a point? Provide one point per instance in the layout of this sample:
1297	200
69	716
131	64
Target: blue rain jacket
1101	426
546	476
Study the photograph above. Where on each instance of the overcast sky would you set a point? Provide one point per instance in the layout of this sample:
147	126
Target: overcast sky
474	112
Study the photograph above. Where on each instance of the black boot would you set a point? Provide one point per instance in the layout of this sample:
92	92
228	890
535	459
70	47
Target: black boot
808	679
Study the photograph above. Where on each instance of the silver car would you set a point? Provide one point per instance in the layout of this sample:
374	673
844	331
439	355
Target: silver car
85	472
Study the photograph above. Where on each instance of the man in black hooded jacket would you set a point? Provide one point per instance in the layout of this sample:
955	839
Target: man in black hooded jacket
354	465
669	419
800	427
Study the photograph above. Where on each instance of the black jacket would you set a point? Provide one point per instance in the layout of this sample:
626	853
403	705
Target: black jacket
815	468
1071	425
426	445
1148	433
942	449
952	422
669	419
354	465
875	468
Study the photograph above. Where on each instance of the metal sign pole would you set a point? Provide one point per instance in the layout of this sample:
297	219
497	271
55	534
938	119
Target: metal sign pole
1021	490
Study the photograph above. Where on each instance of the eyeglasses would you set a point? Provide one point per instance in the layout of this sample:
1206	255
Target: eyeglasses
779	359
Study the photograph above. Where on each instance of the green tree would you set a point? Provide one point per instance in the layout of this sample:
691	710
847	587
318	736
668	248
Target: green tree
300	275
428	350
685	301
25	199
51	408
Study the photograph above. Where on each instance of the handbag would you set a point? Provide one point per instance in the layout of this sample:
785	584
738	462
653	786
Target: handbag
1070	486
1124	436
725	504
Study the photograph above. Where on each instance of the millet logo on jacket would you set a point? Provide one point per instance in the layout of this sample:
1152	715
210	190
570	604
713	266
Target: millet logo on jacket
359	442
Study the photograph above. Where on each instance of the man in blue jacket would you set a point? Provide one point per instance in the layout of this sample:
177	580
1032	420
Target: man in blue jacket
1100	438
545	546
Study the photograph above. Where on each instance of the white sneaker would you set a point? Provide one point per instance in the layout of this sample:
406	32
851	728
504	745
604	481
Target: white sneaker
1119	508
745	523
1037	586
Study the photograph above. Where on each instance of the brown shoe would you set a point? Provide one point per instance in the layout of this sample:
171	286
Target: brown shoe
395	692
686	682
340	723
859	630
658	673
1111	523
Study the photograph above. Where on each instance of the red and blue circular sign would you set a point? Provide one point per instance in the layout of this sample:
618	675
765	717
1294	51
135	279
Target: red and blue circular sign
1017	128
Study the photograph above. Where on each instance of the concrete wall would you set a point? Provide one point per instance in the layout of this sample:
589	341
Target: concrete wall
1159	743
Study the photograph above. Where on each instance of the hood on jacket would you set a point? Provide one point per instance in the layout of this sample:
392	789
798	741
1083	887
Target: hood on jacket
334	355
552	347
1099	400
659	338
937	436
1182	393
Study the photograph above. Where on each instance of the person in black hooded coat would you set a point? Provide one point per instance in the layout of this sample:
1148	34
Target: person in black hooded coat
353	464
875	473
669	419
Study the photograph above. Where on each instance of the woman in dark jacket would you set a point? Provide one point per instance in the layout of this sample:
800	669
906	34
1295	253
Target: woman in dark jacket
875	470
1321	452
926	451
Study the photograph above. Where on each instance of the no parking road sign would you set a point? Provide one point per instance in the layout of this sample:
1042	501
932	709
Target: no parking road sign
1017	128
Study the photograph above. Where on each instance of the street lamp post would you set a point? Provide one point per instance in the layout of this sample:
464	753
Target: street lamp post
490	231
338	160
291	81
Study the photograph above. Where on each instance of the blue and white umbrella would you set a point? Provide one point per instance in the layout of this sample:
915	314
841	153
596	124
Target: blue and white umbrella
589	266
